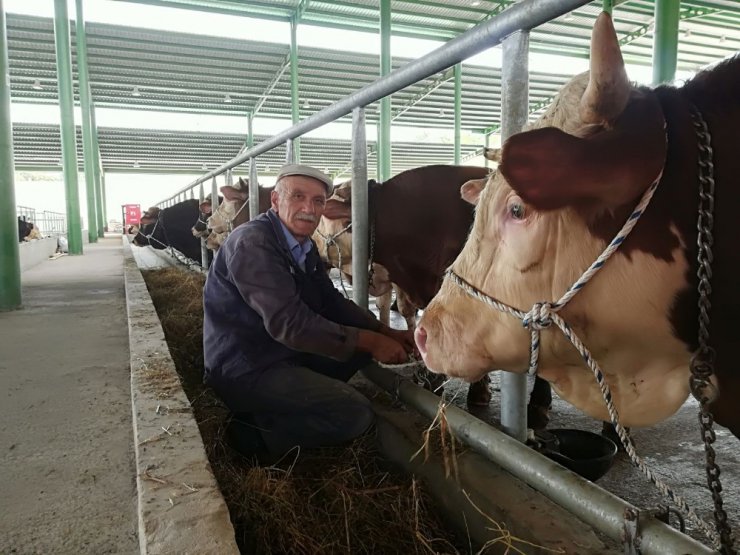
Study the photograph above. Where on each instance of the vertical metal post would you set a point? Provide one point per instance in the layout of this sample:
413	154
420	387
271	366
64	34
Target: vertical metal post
10	265
458	110
608	6
294	86
254	190
250	132
665	40
98	174
488	142
514	108
384	131
289	152
66	106
360	217
214	195
203	247
87	142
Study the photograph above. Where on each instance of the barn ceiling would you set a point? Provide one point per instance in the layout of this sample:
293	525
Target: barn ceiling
177	72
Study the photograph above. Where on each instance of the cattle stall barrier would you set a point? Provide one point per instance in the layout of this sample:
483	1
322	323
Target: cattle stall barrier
589	502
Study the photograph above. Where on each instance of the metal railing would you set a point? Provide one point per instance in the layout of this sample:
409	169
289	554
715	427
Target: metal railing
49	223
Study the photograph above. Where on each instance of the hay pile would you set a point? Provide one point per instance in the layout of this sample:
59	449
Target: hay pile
338	500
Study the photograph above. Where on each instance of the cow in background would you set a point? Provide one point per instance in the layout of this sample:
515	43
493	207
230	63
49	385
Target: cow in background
420	225
34	234
563	190
170	227
233	211
24	228
200	229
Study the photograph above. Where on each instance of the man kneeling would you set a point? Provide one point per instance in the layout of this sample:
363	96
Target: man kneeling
279	340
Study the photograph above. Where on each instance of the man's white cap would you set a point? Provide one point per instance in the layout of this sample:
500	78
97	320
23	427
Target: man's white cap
308	171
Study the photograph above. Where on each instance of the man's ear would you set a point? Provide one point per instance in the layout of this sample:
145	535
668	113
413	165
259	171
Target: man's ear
274	199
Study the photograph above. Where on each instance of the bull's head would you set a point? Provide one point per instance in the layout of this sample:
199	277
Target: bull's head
562	190
333	237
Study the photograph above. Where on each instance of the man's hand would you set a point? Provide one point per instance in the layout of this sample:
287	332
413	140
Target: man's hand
404	337
383	348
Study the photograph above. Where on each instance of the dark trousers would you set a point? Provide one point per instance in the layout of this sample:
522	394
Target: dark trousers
306	403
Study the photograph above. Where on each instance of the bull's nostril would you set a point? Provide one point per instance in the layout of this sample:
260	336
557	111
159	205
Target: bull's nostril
420	335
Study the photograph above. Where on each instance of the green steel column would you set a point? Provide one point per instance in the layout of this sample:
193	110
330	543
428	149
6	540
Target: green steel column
608	6
97	170
10	265
66	106
665	41
87	143
294	85
458	110
384	132
104	197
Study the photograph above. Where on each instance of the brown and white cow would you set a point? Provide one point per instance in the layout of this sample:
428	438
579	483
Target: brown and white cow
420	225
563	190
233	211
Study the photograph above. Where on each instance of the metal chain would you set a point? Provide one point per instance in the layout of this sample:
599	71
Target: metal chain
702	363
370	269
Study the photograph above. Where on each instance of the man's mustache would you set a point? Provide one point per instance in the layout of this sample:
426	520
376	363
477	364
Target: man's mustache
307	218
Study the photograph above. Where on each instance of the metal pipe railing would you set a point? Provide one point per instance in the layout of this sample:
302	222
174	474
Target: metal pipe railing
595	506
525	15
360	204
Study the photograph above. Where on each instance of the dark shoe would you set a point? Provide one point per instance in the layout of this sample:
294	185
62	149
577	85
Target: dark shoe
244	437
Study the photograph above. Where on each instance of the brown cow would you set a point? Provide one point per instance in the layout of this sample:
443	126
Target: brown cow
420	224
563	190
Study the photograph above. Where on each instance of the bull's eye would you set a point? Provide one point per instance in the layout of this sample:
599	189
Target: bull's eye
516	209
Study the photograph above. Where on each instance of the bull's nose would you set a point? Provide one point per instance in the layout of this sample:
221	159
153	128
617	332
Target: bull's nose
420	335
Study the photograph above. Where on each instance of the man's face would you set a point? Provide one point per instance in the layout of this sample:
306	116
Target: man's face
300	204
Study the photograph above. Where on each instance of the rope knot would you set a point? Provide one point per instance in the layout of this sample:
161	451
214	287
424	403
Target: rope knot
539	318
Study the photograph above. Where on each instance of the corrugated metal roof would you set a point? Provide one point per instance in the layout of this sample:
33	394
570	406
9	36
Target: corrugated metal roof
125	150
183	72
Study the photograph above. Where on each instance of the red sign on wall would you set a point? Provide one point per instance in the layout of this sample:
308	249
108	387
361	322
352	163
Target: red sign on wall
131	214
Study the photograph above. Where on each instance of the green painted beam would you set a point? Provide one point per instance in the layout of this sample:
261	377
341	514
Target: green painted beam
98	170
66	106
384	128
421	95
10	266
86	106
665	40
271	85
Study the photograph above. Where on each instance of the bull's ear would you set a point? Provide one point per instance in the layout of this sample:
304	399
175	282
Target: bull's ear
242	184
470	190
336	209
550	169
231	193
492	154
205	207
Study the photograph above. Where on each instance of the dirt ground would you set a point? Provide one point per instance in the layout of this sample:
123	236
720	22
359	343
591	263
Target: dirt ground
66	443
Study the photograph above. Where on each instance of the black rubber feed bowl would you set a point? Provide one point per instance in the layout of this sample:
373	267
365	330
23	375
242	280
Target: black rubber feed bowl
585	453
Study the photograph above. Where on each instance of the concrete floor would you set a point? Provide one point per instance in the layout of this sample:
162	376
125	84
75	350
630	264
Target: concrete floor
66	443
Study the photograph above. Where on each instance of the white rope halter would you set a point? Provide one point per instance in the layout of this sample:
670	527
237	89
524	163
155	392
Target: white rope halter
330	240
543	314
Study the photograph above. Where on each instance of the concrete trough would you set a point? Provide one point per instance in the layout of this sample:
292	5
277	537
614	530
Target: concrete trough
180	507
